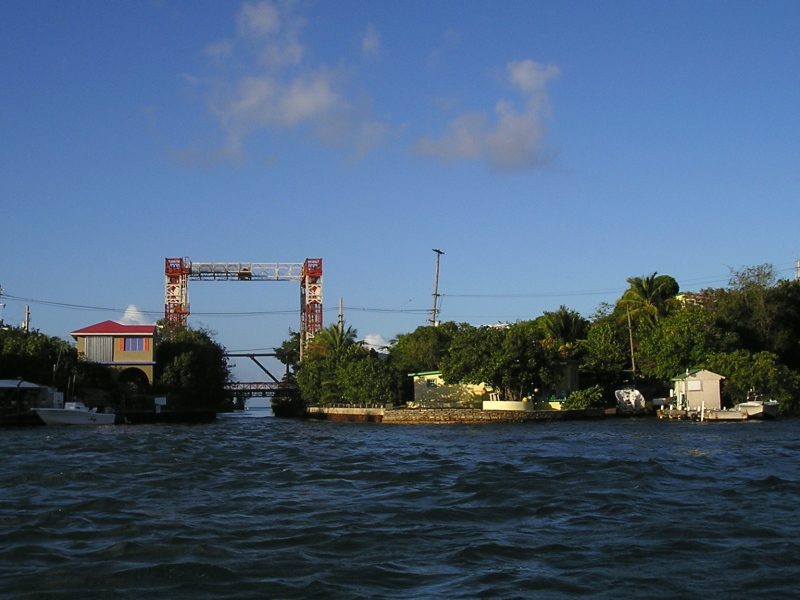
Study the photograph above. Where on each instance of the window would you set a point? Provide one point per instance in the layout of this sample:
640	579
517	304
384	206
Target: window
430	382
98	349
134	345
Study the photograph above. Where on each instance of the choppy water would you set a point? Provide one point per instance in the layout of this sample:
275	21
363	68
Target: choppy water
268	508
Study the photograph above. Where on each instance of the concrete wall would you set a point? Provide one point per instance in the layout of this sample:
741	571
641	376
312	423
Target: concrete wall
437	416
422	416
507	405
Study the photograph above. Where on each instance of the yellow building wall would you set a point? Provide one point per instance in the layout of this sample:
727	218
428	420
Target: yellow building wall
120	355
127	359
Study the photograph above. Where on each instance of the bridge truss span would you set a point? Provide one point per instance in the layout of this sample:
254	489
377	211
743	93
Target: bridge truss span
246	271
264	389
179	271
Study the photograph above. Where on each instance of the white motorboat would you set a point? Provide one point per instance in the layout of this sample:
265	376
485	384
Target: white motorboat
74	413
254	408
758	409
629	400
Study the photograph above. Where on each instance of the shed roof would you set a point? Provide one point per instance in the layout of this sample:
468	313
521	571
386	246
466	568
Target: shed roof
13	383
113	328
695	372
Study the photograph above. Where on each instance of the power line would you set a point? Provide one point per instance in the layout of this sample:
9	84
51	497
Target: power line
410	311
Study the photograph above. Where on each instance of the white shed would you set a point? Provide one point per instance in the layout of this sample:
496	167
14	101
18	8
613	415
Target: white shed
698	388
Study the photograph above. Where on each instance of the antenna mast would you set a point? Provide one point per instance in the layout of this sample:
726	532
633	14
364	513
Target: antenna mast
435	311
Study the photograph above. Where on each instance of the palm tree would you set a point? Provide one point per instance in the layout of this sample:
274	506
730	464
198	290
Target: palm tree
648	298
566	327
333	339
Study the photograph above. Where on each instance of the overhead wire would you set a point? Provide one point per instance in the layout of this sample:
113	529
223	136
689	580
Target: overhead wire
410	311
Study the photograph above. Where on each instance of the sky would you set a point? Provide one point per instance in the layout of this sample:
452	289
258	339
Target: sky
550	150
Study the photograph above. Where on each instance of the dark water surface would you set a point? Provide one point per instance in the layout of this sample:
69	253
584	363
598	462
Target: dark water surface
267	508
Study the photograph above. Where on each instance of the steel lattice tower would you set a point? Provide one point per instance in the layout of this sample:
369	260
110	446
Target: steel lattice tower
179	271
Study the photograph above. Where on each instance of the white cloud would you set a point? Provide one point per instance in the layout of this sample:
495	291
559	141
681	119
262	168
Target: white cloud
375	342
133	316
371	42
510	140
265	85
260	19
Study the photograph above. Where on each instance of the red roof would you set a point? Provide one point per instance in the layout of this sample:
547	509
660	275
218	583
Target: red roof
112	328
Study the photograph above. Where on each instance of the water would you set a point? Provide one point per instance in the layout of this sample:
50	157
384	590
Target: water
267	508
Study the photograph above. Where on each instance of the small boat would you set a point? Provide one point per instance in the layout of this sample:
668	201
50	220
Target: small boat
758	409
721	414
74	413
254	408
630	400
753	408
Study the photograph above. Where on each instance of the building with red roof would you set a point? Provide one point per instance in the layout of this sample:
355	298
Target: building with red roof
128	350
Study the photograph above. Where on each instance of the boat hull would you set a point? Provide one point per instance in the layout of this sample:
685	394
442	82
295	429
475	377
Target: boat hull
63	416
756	409
245	414
724	415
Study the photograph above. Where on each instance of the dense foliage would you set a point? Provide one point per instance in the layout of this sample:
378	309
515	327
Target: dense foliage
591	397
36	357
748	332
191	368
514	360
338	370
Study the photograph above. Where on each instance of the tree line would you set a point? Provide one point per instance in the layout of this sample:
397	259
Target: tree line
191	368
747	331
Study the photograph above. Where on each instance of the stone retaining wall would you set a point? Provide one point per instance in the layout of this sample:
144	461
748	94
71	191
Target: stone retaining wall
431	416
466	415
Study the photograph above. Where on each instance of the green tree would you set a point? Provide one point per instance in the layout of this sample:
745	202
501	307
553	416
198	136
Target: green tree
763	312
191	367
605	355
288	352
337	369
36	357
647	299
591	397
367	381
682	340
514	360
332	339
422	349
785	338
744	371
567	328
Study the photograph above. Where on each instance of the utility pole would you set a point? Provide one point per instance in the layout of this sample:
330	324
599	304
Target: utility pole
26	324
341	317
630	336
434	313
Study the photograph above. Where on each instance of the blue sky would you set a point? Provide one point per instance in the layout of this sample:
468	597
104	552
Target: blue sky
550	149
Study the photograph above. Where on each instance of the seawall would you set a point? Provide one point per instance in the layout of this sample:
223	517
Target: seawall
444	416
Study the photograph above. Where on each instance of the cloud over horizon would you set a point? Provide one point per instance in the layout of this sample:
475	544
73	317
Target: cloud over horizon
265	85
134	316
261	84
511	140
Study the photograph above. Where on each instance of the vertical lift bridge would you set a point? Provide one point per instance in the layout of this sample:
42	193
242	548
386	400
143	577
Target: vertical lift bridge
179	271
